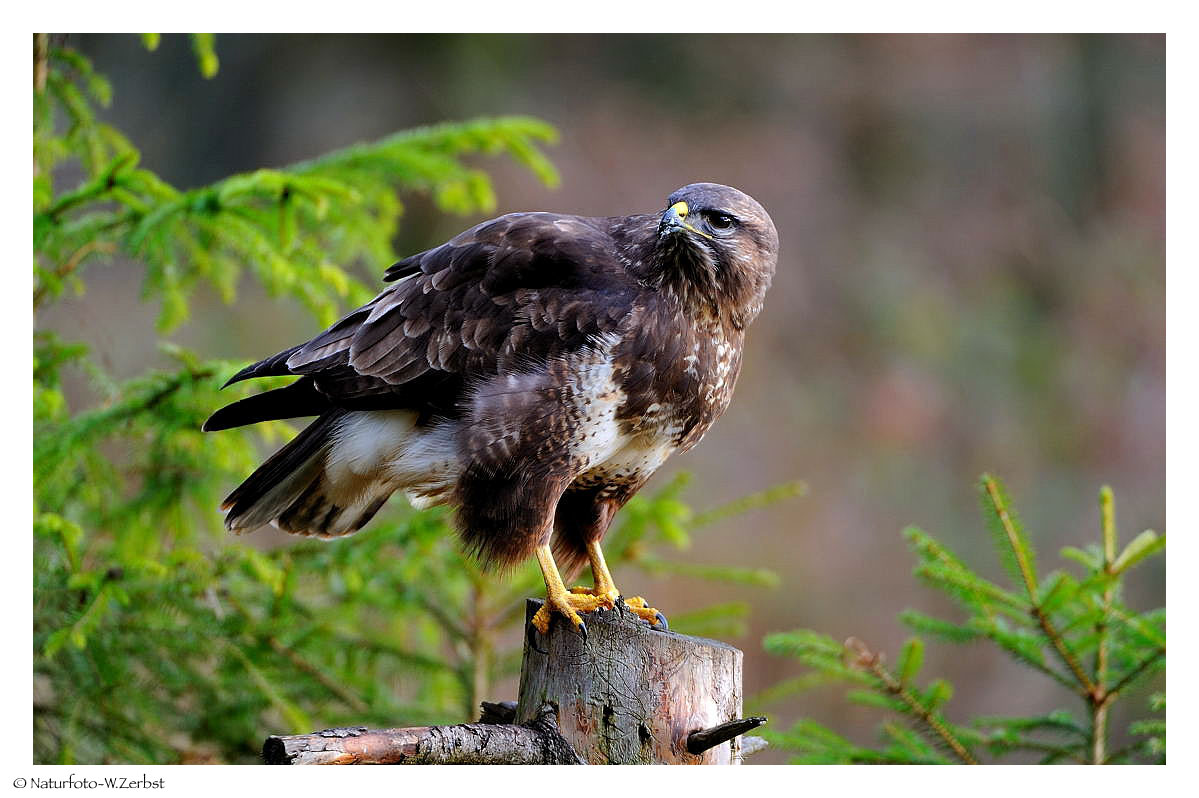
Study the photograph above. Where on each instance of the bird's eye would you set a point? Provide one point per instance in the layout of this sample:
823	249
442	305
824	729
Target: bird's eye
721	222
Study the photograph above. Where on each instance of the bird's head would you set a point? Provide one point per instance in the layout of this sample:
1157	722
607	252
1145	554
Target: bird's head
717	248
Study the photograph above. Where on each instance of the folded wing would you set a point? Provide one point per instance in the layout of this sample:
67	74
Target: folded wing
500	297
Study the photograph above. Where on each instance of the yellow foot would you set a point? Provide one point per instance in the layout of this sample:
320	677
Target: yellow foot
609	596
568	605
641	608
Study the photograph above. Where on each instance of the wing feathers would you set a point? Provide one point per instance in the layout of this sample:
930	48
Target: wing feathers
414	328
273	366
334	340
527	286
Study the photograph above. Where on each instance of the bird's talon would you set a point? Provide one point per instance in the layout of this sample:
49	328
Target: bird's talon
604	598
641	608
567	607
541	620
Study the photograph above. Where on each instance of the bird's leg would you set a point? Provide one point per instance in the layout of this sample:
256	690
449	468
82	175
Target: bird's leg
605	589
558	599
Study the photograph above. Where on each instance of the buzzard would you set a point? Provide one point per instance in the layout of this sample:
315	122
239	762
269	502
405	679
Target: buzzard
533	372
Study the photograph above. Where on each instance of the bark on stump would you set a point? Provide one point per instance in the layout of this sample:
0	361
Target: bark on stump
631	694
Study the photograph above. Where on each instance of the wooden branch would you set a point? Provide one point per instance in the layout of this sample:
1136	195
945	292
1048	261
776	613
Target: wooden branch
536	743
702	740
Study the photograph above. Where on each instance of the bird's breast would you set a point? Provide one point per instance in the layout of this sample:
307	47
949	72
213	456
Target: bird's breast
677	379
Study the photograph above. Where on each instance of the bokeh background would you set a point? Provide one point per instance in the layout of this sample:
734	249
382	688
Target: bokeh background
972	276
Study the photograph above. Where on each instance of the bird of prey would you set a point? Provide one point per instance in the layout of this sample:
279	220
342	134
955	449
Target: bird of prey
533	372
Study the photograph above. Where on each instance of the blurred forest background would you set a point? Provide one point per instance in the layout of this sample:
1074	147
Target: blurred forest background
972	276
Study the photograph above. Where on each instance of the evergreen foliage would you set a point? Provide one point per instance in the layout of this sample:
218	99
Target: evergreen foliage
158	639
1071	628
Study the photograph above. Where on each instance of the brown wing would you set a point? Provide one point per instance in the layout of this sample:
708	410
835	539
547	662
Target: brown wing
510	292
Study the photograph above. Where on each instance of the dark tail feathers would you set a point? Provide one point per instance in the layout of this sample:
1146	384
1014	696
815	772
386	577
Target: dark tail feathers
301	398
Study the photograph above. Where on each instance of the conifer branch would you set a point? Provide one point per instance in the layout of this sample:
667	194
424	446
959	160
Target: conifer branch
753	501
866	658
1086	685
89	192
1139	626
1099	700
477	667
41	50
1042	618
1018	550
1127	751
1135	673
447	621
332	685
1082	605
1063	679
72	263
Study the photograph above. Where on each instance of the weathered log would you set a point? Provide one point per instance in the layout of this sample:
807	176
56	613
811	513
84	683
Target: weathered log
535	743
628	694
632	694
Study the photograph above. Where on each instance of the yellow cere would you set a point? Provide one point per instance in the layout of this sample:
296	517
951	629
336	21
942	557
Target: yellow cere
681	209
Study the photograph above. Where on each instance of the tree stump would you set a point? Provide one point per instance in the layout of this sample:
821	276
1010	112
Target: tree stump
632	694
629	694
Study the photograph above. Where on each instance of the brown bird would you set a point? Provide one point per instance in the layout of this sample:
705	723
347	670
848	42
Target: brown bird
533	372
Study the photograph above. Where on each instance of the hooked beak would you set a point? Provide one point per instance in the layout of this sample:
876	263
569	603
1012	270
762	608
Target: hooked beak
674	220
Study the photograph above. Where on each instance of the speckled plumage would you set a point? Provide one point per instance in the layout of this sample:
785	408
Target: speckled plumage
533	372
